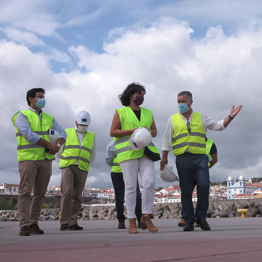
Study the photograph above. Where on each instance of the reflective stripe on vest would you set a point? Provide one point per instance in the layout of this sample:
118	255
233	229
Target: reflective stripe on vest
73	152
27	150
209	144
183	139
129	120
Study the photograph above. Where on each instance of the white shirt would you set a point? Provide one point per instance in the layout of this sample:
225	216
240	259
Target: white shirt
80	138
208	123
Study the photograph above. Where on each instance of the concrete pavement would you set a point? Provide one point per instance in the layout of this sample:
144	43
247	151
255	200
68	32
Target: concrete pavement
231	239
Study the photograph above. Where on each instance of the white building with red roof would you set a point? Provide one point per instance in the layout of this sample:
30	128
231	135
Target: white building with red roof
9	189
240	187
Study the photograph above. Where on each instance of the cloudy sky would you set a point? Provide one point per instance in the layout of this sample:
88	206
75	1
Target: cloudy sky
84	53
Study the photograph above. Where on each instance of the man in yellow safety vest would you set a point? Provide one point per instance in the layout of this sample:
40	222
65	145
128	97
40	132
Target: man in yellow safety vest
185	134
77	154
35	154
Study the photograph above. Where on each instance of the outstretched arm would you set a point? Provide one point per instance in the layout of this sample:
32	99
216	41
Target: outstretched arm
233	112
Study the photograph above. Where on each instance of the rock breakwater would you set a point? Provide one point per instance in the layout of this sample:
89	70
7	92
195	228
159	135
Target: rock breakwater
221	208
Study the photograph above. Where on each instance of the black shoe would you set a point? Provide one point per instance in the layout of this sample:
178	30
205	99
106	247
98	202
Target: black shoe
189	227
75	227
203	224
24	231
64	227
34	229
121	225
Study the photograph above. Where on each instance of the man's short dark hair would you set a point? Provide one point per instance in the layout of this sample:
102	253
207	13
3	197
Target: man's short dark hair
31	93
187	93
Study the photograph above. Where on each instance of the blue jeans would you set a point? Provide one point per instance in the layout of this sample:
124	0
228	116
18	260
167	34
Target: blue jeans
193	170
119	186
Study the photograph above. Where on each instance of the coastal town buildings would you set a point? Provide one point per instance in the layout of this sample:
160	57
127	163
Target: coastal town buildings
9	189
240	189
235	189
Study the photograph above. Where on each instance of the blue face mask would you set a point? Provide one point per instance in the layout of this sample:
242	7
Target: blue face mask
183	108
40	103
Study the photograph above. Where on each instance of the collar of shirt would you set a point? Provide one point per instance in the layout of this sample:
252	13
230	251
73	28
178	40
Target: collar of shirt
40	115
185	118
80	135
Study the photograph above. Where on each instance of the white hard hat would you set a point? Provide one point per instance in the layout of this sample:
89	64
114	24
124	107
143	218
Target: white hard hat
83	118
53	136
168	175
140	138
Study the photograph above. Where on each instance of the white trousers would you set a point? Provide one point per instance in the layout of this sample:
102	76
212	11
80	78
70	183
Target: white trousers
130	170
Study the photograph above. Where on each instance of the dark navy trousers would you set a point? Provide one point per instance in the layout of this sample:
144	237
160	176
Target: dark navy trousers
119	186
193	170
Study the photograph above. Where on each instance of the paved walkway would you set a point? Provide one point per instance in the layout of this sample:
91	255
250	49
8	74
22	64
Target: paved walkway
231	239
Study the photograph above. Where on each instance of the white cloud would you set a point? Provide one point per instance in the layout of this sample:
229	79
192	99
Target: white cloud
23	37
28	15
59	56
205	12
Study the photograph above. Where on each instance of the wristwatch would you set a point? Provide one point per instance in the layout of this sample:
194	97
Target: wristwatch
58	145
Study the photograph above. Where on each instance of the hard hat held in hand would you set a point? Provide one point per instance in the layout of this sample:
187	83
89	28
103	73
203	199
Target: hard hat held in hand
53	136
83	118
168	175
140	138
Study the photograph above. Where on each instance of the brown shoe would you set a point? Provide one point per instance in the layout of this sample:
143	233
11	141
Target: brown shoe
24	231
64	227
197	225
75	227
121	225
146	221
182	222
34	229
132	226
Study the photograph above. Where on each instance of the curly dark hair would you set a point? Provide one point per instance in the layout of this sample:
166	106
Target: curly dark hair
31	93
129	91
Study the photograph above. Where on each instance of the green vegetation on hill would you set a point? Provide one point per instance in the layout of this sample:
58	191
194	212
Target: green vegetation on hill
256	179
224	183
11	204
8	204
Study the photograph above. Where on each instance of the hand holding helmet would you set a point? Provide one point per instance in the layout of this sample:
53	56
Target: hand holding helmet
140	138
168	175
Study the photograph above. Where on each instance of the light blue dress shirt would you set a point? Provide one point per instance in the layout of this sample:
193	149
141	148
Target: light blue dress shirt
23	127
110	153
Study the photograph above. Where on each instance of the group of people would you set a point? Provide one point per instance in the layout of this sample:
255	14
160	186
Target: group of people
76	149
185	135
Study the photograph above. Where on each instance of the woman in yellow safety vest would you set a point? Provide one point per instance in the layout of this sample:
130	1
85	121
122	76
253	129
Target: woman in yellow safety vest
126	120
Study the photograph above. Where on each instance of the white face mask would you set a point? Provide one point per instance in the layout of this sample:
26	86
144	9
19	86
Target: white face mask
82	129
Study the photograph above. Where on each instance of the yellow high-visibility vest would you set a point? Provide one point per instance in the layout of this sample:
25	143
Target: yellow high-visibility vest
209	144
115	166
74	152
27	150
129	120
182	139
